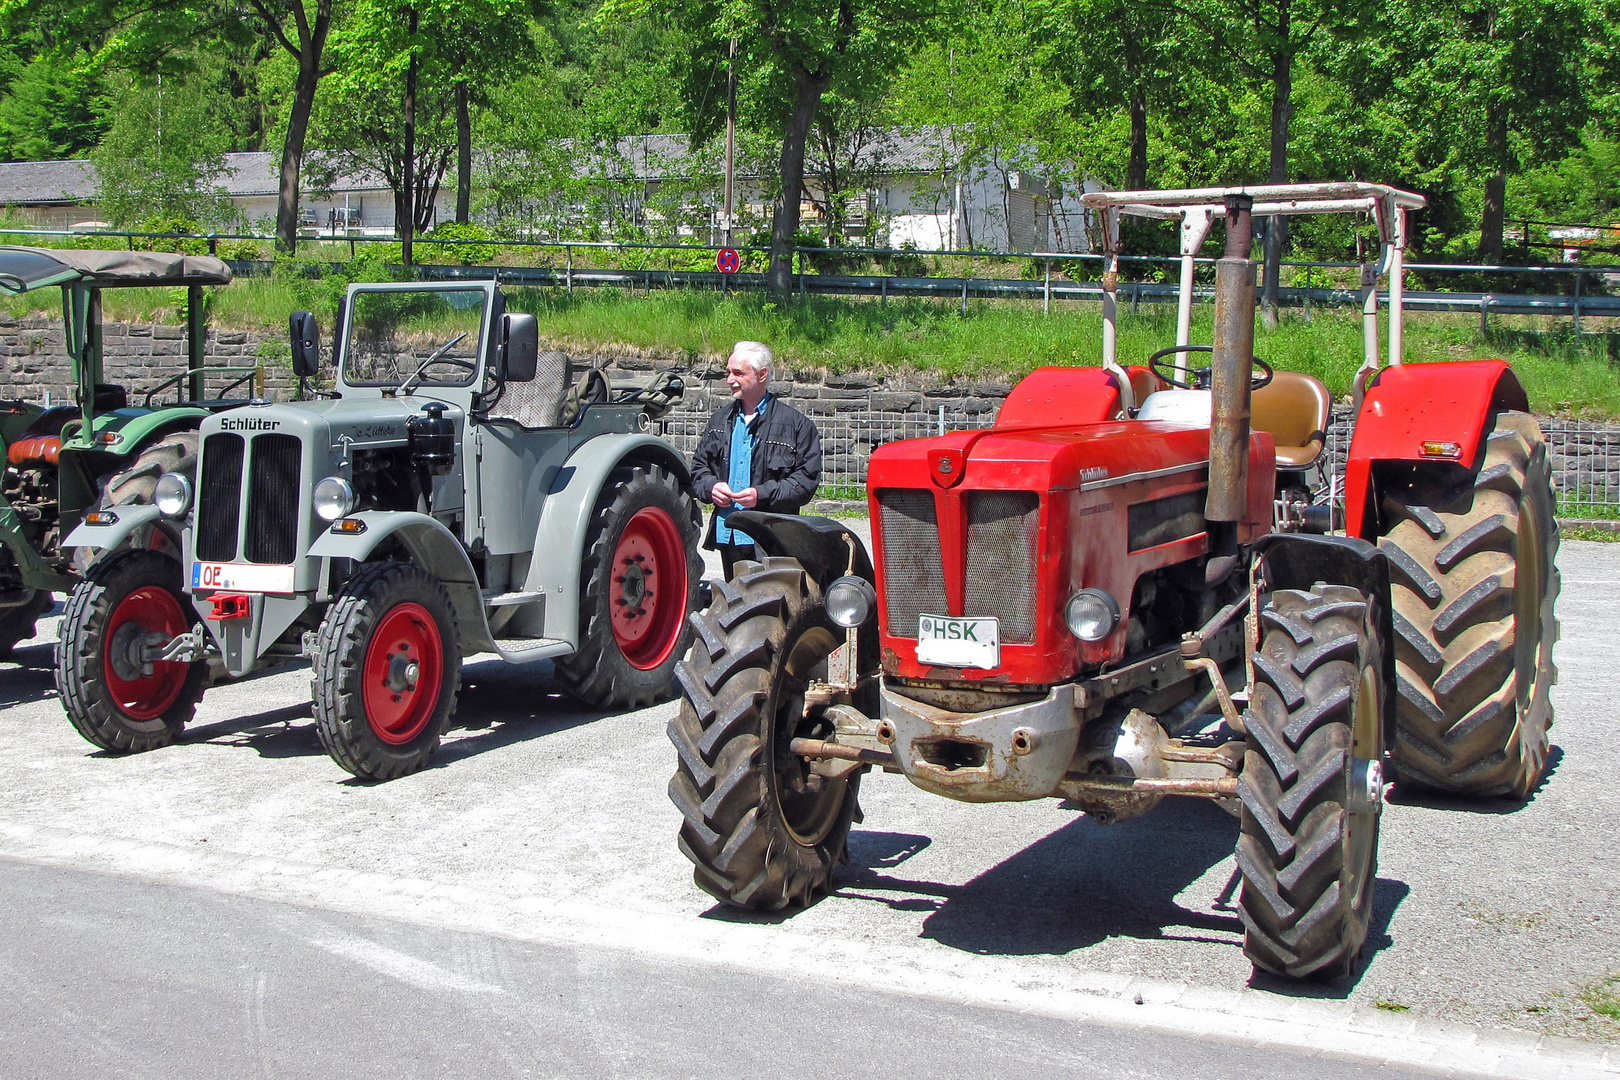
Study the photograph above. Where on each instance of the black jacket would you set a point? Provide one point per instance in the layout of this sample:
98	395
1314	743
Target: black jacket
787	458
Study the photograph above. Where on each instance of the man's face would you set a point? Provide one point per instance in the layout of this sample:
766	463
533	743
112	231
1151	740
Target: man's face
747	385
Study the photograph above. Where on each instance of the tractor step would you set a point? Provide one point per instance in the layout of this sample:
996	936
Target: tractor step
511	599
528	650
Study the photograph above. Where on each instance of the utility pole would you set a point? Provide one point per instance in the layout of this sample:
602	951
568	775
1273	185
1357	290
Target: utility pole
731	139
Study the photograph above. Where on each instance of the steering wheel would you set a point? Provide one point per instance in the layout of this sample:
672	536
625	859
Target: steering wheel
1200	377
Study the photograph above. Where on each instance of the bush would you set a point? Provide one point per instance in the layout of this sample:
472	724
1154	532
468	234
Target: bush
170	224
461	254
241	251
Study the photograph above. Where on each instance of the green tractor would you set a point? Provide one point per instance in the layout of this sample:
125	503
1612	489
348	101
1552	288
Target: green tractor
65	462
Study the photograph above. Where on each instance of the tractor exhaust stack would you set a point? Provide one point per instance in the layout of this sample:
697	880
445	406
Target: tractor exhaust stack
1231	367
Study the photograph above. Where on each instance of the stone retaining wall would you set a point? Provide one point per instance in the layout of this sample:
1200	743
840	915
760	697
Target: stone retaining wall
854	412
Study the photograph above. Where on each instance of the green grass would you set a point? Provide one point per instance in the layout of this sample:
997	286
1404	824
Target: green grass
1000	340
1603	997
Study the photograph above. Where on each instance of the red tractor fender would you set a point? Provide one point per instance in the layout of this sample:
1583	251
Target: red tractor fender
1060	397
1427	414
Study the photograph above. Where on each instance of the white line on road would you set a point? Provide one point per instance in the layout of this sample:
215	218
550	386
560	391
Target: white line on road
402	966
1308	1027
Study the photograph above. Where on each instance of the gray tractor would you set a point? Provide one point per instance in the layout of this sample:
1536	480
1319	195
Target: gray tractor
454	494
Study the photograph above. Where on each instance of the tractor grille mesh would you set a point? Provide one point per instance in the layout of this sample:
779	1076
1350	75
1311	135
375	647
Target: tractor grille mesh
273	499
913	574
219	498
1001	560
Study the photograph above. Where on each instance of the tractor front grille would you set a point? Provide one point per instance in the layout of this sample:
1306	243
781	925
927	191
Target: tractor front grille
913	574
273	499
219	497
1001	560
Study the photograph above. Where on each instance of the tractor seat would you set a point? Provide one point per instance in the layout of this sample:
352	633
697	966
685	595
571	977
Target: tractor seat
537	403
1294	408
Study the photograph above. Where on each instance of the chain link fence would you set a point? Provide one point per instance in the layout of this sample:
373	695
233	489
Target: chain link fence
1584	454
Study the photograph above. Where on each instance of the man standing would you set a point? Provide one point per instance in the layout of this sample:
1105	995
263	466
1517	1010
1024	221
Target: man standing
756	453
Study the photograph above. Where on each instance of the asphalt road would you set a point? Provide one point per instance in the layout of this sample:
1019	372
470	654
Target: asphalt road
545	824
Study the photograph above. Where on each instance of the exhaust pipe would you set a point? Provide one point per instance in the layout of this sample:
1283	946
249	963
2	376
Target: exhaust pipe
1231	368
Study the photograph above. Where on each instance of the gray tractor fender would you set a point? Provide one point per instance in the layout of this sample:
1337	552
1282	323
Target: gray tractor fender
1300	560
112	535
565	519
430	546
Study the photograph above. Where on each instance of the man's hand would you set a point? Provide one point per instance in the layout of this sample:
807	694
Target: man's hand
747	498
723	495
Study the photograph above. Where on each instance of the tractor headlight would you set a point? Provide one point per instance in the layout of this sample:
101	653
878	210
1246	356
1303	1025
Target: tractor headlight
851	601
334	498
172	496
1091	614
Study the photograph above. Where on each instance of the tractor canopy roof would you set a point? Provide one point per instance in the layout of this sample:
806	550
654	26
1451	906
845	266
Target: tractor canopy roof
25	268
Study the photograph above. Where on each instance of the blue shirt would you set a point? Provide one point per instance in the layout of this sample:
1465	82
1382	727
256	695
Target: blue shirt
740	477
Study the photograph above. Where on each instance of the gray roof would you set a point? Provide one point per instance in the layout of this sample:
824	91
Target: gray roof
69	183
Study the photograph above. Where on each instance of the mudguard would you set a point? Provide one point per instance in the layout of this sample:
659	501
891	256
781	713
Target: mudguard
127	431
1300	560
130	518
432	547
565	520
821	545
1413	404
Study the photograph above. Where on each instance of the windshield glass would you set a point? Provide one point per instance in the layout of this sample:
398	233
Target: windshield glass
392	334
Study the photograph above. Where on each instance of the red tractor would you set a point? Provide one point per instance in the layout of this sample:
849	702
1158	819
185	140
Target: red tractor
1127	589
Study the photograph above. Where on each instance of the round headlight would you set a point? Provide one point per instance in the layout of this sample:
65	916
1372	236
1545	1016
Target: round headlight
334	498
851	601
172	496
1091	614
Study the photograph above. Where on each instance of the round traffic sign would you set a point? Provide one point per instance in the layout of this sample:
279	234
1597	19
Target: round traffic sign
728	260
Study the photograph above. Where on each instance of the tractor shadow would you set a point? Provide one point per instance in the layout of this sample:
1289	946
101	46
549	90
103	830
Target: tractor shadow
1084	884
28	674
1406	795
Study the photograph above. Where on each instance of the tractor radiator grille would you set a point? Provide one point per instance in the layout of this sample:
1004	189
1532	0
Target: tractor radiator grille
219	498
273	499
1001	560
913	573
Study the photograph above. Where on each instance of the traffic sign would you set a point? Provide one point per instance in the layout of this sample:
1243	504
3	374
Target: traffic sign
728	260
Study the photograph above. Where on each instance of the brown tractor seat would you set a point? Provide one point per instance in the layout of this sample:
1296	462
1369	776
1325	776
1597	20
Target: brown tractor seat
1294	408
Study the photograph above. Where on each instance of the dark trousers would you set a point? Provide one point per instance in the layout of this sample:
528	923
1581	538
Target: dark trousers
731	554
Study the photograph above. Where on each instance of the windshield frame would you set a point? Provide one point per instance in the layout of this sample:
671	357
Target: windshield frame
472	379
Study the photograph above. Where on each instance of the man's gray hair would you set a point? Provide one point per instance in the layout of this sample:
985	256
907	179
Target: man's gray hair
756	354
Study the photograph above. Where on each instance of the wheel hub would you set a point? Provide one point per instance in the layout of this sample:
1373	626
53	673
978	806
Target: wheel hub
403	671
124	652
634	584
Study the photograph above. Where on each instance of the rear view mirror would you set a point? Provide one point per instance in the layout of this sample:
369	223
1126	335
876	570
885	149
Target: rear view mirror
306	343
520	347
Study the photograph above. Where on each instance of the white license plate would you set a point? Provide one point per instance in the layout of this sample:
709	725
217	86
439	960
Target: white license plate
246	577
954	642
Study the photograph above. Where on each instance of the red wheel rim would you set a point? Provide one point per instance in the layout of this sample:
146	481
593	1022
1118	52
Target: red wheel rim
149	609
647	591
402	673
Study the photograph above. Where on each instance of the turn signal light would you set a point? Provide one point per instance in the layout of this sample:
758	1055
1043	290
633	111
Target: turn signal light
107	438
1442	449
349	525
101	517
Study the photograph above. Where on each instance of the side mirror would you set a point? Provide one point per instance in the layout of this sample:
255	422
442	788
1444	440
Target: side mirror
306	343
520	347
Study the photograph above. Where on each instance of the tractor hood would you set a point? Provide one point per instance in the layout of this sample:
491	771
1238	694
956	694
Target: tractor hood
368	421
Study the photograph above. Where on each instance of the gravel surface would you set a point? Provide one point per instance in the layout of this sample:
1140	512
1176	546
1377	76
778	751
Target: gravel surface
1492	913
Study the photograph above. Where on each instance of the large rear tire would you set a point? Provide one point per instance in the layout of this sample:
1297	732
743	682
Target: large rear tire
387	671
113	699
1311	787
762	831
639	583
1473	584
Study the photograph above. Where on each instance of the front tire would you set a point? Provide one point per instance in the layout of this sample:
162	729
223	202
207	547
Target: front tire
638	585
387	670
1311	789
113	699
762	831
1473	580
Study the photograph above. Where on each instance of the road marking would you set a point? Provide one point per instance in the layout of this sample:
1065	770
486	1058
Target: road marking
402	966
1254	1018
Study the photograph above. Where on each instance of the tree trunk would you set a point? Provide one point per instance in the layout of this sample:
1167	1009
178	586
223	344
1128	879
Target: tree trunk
463	156
407	223
1282	110
1492	218
785	216
292	152
1136	169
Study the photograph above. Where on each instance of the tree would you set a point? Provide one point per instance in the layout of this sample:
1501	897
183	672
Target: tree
49	106
791	52
162	155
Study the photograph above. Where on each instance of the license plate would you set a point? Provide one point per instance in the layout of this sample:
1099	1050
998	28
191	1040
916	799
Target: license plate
247	577
954	642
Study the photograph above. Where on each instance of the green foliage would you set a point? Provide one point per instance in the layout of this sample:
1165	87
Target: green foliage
163	156
464	254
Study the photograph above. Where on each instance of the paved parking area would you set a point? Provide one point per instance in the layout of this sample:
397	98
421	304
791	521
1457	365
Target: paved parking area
1491	914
